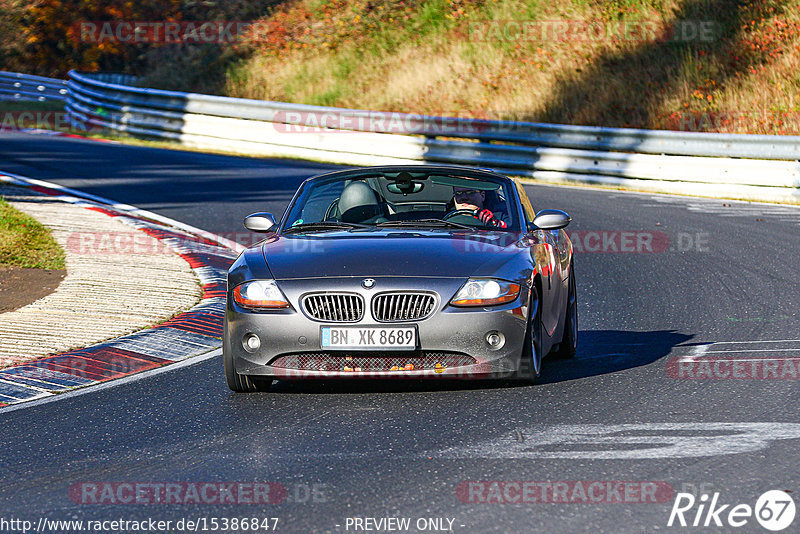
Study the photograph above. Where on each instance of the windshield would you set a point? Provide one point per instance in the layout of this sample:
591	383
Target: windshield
404	199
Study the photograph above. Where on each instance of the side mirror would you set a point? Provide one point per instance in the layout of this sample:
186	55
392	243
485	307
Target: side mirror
551	219
260	222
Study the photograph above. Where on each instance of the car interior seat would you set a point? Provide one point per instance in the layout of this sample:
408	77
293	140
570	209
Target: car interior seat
359	203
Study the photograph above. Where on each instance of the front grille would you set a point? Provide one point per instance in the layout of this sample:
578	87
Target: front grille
398	307
334	307
372	362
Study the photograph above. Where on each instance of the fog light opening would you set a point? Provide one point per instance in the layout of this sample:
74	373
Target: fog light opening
495	339
251	342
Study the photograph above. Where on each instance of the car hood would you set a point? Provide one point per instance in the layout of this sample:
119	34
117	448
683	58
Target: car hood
387	253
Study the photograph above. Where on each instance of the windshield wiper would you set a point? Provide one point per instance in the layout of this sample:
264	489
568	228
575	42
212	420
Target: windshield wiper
323	226
424	223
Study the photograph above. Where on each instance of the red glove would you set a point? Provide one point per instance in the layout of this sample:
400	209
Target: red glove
488	218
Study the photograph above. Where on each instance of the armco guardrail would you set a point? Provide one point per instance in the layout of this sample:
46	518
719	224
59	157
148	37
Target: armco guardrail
694	163
26	88
758	167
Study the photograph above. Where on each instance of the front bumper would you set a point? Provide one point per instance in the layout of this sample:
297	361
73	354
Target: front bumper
289	335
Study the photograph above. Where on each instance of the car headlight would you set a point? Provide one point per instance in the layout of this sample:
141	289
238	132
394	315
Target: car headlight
260	294
485	293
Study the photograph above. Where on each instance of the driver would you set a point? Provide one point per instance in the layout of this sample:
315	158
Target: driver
473	200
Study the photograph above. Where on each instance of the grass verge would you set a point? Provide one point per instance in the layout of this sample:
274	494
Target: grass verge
689	65
25	242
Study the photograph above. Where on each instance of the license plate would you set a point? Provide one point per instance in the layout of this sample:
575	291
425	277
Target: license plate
358	337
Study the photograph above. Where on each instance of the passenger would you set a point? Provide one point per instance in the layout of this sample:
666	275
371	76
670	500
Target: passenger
474	200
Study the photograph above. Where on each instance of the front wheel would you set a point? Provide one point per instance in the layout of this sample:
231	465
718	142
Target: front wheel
241	383
530	364
569	341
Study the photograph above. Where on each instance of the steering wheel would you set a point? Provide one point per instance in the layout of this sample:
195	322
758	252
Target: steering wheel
456	213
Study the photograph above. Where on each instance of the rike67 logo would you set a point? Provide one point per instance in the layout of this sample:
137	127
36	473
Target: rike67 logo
774	510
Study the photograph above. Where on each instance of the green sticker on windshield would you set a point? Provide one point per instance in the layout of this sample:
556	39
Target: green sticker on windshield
298	221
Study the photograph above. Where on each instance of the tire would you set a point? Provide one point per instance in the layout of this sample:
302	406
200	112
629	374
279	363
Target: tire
569	341
241	383
530	364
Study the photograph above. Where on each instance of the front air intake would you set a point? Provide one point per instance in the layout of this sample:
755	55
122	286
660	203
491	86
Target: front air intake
399	307
334	307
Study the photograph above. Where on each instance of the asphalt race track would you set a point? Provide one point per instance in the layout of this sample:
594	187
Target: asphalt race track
662	280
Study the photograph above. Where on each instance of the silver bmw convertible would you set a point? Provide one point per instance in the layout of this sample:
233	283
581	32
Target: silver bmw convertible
401	272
